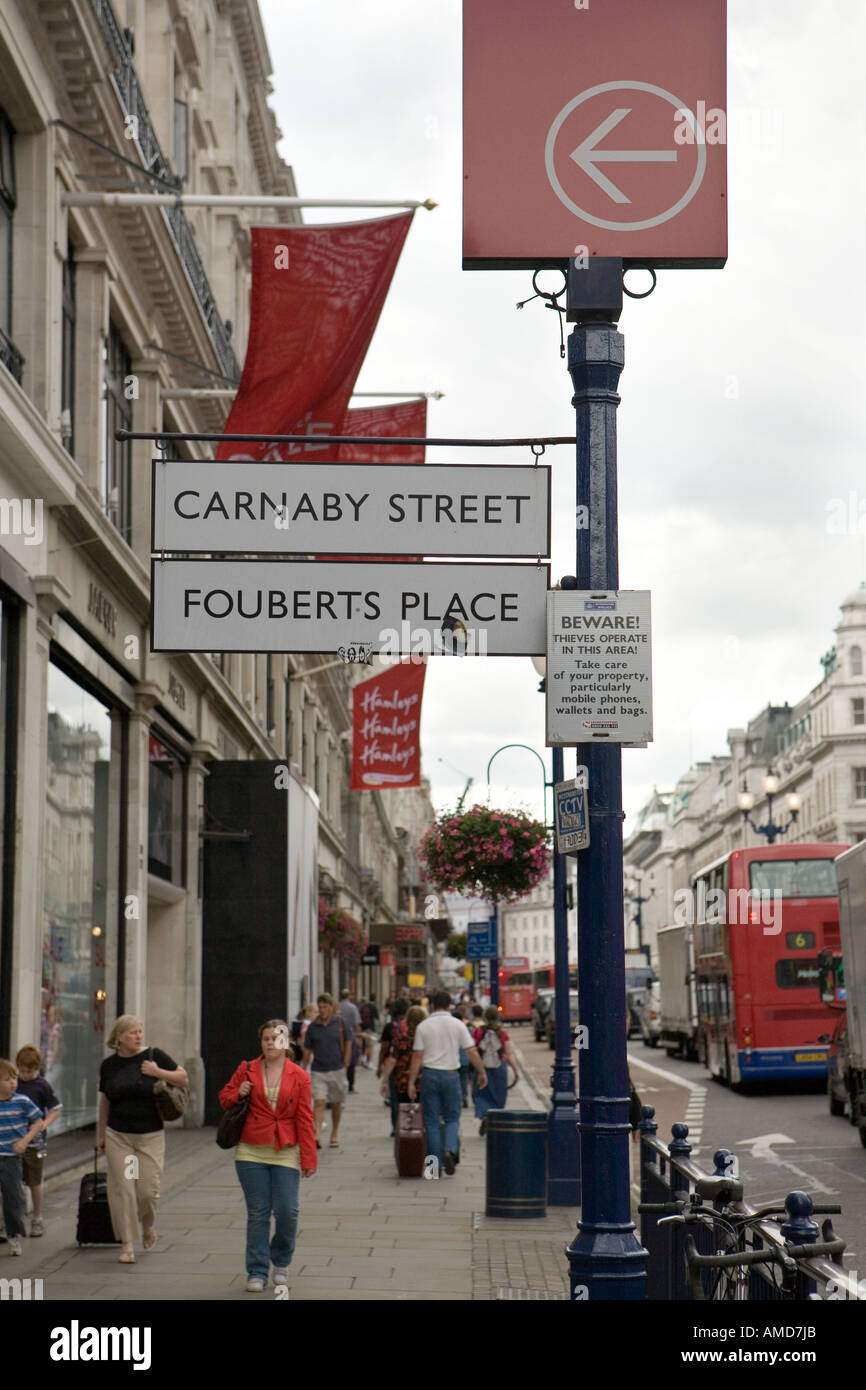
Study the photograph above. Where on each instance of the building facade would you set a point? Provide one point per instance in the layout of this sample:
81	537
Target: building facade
115	825
816	748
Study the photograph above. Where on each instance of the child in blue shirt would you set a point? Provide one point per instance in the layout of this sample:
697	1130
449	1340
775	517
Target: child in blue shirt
20	1122
31	1084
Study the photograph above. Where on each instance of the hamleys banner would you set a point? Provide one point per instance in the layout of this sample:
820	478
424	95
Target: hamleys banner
594	129
386	728
316	299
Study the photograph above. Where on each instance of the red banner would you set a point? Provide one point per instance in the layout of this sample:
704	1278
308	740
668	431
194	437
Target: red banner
316	299
405	421
386	728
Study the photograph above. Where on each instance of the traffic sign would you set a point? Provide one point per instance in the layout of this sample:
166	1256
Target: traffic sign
571	816
372	954
359	508
595	130
250	605
599	667
481	940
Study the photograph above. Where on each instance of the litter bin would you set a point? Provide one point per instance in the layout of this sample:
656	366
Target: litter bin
516	1163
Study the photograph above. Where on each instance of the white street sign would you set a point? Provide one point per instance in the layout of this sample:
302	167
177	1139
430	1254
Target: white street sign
599	667
571	815
318	606
359	508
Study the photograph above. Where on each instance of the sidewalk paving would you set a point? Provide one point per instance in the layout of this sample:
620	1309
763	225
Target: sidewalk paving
365	1233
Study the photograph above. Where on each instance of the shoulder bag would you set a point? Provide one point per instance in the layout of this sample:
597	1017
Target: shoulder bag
171	1101
230	1127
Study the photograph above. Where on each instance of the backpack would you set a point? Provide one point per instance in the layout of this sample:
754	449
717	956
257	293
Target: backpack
402	1052
490	1048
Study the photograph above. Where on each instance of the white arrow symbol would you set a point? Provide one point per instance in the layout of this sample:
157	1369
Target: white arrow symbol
586	156
762	1145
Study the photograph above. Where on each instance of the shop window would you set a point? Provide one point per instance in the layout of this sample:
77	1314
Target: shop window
166	777
67	357
80	891
118	388
9	354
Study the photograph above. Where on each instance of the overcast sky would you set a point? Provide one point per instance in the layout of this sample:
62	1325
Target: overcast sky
742	397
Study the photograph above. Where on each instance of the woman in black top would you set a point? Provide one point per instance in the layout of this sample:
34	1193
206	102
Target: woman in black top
130	1130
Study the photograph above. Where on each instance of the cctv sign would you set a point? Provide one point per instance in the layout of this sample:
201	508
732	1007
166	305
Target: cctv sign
594	129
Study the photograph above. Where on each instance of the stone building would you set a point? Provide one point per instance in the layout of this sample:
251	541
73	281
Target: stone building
817	750
164	818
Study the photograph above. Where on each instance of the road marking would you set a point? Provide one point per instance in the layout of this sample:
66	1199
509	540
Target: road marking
762	1149
668	1075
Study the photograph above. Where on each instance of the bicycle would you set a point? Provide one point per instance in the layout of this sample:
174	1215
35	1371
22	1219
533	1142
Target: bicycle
730	1225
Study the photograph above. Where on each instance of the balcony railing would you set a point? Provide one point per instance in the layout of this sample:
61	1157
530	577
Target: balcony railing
10	356
132	101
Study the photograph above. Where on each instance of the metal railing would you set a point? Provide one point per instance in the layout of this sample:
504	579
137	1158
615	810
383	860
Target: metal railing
129	94
668	1176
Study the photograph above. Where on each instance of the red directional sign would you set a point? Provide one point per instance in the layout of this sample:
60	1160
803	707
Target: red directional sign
596	130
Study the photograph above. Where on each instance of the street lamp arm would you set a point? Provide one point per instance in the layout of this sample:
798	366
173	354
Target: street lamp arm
533	751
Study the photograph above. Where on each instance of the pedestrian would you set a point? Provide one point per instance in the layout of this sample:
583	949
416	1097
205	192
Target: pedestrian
277	1148
20	1122
497	1054
351	1026
30	1083
399	1064
436	1048
130	1130
302	1021
462	1012
477	1016
328	1049
392	1028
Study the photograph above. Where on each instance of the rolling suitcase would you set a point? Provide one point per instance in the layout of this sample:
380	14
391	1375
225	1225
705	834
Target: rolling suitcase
94	1216
410	1142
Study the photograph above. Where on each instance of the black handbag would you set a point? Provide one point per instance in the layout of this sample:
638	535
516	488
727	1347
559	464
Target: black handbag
230	1127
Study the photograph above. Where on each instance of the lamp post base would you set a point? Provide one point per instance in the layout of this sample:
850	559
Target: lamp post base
563	1152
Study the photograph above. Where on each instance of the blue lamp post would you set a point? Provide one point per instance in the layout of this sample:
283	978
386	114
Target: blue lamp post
563	1152
494	964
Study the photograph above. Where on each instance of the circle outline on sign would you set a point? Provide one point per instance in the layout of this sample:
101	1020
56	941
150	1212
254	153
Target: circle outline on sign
646	222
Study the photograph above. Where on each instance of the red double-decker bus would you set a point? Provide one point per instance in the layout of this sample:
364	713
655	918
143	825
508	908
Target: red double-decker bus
516	991
761	918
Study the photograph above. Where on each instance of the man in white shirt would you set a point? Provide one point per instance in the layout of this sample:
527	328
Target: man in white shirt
436	1048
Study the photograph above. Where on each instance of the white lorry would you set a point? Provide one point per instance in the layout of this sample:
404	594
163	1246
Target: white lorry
679	1009
851	879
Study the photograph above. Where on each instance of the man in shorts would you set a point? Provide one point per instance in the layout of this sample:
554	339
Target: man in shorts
329	1050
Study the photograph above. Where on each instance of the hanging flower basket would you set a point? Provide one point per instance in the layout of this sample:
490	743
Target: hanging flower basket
483	853
341	933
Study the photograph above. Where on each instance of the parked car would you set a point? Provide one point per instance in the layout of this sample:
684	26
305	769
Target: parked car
543	1003
651	1015
574	1017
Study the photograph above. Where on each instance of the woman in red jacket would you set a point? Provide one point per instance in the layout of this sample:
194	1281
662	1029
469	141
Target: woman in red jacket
277	1148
